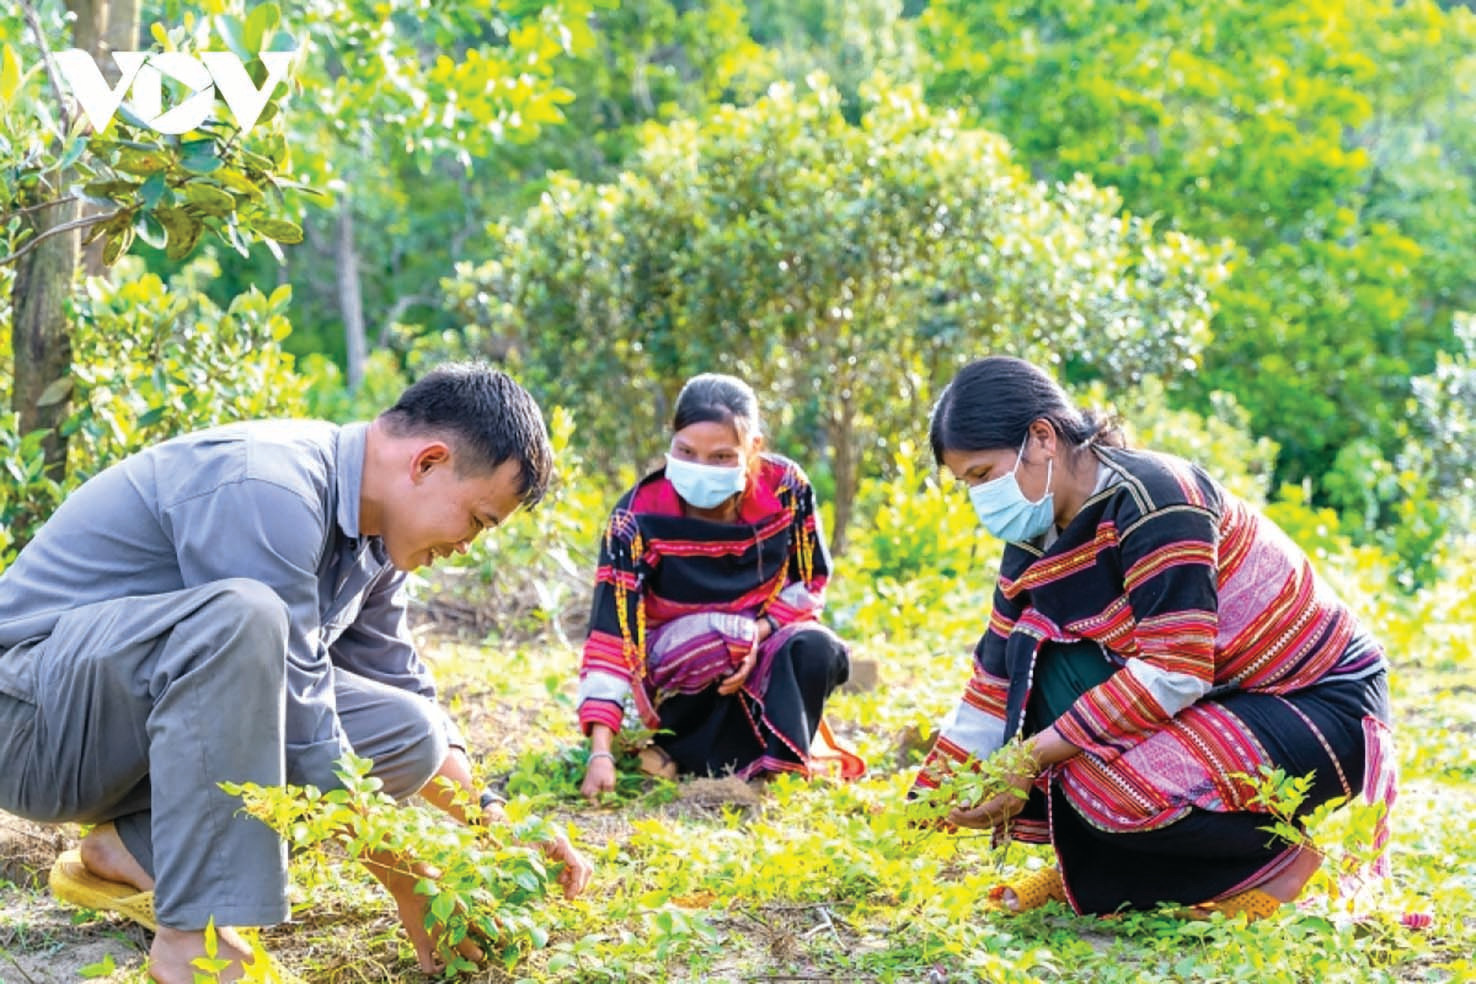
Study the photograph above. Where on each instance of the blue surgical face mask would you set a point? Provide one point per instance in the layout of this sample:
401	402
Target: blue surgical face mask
1004	510
705	486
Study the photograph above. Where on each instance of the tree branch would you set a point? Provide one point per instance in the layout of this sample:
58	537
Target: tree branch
61	99
31	244
36	208
400	305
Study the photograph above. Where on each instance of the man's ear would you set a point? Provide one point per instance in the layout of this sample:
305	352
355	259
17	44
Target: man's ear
429	456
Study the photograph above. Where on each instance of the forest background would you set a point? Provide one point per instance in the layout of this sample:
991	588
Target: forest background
1245	226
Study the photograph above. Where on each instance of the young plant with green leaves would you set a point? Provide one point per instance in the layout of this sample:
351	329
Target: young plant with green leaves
483	882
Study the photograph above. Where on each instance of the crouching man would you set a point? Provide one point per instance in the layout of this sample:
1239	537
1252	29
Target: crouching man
228	606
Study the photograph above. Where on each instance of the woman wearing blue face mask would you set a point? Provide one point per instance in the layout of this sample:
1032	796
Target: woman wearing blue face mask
1154	641
705	626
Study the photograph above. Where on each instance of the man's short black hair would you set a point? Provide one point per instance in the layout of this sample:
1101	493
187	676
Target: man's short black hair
485	416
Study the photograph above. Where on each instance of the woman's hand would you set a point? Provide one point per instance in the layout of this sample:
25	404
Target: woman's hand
599	777
1000	807
763	627
599	769
993	811
1044	750
731	683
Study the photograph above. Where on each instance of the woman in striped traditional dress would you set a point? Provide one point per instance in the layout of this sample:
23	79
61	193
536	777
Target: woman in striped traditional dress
1153	641
705	627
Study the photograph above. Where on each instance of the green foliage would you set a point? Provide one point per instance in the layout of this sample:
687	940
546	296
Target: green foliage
651	60
150	360
849	41
154	360
842	269
328	397
487	886
103	968
1330	141
167	190
1393	507
966	784
917	526
1347	855
1443	418
1219	440
547	777
408	111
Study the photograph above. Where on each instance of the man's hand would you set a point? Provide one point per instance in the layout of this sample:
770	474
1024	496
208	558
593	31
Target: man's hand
399	879
574	875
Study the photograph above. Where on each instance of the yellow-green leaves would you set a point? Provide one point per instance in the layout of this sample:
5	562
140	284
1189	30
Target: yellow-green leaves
11	75
209	199
843	268
262	19
278	229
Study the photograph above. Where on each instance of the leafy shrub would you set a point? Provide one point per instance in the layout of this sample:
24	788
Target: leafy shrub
1391	506
1330	142
913	523
151	360
156	359
1443	420
843	269
1221	442
329	398
486	886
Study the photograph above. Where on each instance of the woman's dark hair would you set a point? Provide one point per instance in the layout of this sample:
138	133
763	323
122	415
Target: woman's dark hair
718	399
992	402
485	416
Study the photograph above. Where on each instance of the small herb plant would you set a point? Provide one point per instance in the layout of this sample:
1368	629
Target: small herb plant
489	881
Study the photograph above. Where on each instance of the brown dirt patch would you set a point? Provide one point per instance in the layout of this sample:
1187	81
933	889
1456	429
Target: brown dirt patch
718	793
27	850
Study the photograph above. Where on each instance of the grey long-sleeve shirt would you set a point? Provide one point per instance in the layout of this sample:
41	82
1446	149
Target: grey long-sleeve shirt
274	501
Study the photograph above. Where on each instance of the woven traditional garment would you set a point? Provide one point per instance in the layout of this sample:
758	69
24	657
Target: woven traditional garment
674	608
1218	650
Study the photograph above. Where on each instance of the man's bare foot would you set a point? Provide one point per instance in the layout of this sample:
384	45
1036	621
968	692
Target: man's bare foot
174	950
105	855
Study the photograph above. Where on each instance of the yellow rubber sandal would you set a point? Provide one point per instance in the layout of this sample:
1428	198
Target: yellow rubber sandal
1031	892
73	884
1253	904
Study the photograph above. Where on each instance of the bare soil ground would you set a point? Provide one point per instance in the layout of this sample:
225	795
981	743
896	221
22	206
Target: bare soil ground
42	942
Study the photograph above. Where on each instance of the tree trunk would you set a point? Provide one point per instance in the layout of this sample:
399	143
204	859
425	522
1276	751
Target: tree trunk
113	25
350	296
842	432
41	340
123	27
90	25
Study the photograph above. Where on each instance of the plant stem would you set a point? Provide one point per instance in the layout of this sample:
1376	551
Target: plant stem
31	244
26	210
29	10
